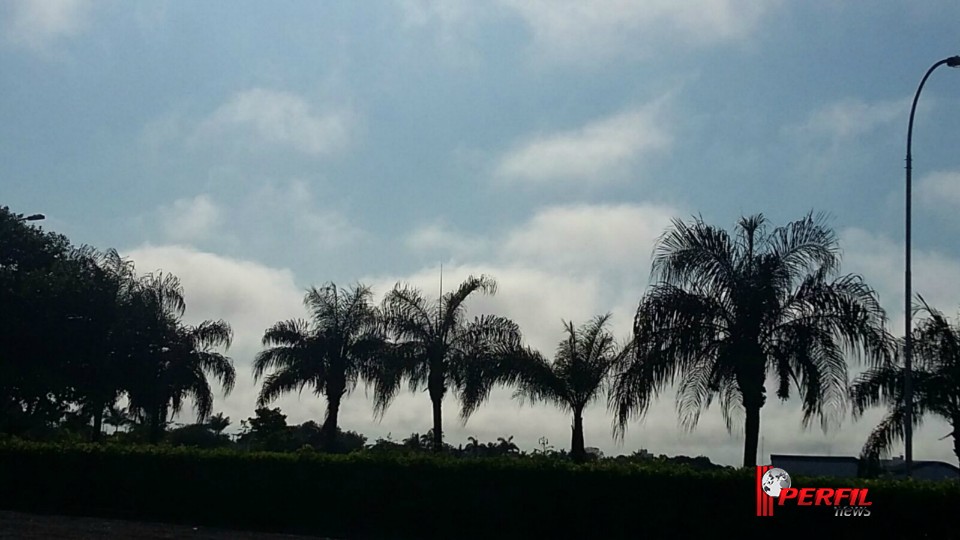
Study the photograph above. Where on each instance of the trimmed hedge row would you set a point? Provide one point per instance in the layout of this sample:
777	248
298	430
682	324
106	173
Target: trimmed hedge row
370	496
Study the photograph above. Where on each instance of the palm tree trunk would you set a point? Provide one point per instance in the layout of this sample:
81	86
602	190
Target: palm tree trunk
956	439
156	425
577	450
328	432
437	424
752	433
97	425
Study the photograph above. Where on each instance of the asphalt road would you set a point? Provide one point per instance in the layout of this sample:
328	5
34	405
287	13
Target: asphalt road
34	526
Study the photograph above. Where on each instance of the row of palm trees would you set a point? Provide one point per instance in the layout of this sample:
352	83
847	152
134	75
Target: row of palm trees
726	315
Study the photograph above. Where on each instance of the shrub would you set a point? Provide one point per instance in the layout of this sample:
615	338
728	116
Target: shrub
370	495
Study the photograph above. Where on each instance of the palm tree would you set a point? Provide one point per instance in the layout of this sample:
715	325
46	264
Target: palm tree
116	417
176	359
725	312
330	354
218	422
576	377
936	385
434	346
101	357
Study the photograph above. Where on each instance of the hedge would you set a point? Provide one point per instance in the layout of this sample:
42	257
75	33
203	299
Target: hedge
421	496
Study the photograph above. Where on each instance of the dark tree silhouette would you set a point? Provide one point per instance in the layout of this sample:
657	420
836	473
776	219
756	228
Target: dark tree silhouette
176	359
97	327
116	417
576	377
725	311
436	347
936	385
340	347
218	422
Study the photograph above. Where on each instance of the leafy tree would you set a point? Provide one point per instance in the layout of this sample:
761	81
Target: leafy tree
727	310
434	346
935	382
35	274
96	328
576	377
330	354
267	431
198	436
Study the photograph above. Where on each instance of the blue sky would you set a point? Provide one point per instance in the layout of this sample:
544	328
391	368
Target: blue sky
257	149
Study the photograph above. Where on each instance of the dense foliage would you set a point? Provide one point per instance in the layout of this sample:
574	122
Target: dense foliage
369	495
79	330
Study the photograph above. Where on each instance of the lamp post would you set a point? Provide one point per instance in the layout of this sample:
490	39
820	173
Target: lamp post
953	61
33	217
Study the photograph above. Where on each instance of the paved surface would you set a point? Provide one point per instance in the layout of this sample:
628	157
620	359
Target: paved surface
34	526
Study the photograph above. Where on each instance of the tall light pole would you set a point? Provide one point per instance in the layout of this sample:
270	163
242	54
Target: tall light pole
33	217
953	61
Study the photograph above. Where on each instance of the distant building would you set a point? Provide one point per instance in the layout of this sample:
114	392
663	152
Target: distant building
849	467
924	470
837	466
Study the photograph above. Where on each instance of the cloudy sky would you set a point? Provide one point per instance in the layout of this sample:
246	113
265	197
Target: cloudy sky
257	149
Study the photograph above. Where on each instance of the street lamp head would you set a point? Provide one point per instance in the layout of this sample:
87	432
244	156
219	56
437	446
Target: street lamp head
35	217
953	61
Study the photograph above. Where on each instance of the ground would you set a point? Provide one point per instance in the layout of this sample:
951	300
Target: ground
30	526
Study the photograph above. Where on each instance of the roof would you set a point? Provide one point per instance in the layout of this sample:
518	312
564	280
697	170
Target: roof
814	459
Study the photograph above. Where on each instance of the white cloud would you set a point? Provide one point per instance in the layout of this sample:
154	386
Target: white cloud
599	152
586	32
442	237
941	190
263	117
293	205
287	209
850	118
39	24
590	238
190	219
880	261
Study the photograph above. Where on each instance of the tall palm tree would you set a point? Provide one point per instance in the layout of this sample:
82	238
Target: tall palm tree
116	417
725	312
330	354
576	377
174	359
935	384
434	346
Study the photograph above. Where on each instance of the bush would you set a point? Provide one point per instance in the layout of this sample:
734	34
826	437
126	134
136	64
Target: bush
367	495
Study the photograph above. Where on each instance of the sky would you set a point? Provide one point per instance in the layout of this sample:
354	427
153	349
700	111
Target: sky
255	150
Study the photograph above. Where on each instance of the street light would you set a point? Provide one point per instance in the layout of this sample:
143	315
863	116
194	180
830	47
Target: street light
953	61
35	217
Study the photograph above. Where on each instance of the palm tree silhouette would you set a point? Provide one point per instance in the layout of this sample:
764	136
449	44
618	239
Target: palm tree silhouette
576	377
175	364
330	354
936	384
724	312
116	417
218	422
435	347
